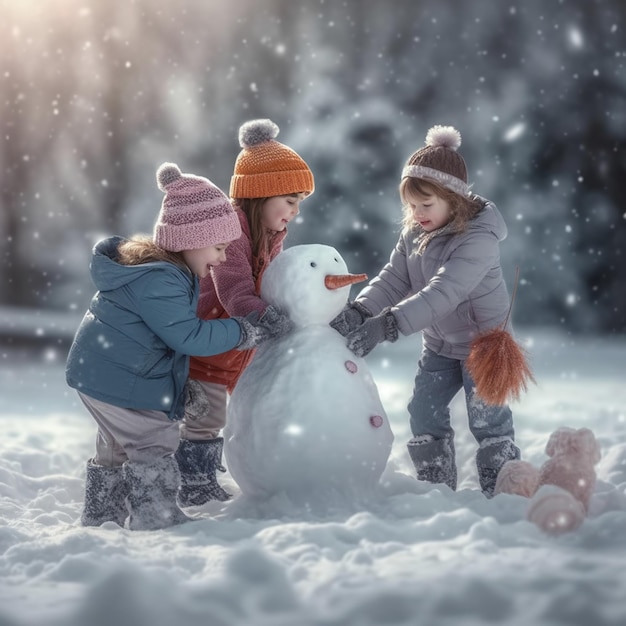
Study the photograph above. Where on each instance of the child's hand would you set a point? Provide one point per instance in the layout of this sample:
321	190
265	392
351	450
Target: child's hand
254	330
367	336
350	318
196	402
277	322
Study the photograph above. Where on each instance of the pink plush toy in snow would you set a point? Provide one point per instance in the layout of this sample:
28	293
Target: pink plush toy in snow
561	488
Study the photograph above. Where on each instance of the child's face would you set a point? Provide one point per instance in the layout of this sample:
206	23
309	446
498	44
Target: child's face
201	260
278	211
430	212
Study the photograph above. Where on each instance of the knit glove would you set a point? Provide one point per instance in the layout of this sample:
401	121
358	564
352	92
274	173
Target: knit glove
351	317
276	321
254	330
196	402
381	327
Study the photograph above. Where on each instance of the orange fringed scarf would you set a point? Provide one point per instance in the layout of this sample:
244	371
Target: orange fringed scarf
498	364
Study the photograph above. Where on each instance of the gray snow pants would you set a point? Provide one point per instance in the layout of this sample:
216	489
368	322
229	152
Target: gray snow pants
437	381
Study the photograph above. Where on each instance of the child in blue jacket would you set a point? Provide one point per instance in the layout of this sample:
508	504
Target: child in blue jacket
129	360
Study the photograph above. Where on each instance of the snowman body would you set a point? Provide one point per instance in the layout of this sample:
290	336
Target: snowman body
306	415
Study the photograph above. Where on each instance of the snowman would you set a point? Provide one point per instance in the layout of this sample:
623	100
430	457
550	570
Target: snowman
305	418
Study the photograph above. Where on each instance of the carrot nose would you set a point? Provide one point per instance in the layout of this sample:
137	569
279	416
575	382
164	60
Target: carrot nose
335	281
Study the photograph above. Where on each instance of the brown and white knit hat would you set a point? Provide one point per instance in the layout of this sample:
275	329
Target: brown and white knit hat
195	213
266	167
440	161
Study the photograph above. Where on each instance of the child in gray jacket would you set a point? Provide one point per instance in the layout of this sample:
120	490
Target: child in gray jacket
443	279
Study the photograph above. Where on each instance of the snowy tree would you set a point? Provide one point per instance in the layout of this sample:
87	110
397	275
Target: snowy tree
97	95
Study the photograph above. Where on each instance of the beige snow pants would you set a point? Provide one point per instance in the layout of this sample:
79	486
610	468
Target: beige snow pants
141	436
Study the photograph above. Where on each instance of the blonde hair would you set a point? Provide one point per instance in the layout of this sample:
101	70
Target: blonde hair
142	249
462	209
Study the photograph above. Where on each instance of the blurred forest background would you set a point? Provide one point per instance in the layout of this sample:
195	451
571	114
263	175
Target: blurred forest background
95	94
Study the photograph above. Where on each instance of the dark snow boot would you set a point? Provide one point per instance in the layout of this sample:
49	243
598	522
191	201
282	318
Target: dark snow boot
105	495
434	460
490	457
198	461
152	498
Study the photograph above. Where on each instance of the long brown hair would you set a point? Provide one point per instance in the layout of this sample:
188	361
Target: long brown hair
462	209
253	210
142	249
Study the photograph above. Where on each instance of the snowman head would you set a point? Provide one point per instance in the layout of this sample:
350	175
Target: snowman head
310	283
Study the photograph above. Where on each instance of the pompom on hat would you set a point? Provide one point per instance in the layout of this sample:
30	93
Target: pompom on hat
194	214
266	167
440	161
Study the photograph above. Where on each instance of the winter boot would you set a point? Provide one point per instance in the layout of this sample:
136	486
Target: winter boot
198	461
152	498
434	459
105	495
492	454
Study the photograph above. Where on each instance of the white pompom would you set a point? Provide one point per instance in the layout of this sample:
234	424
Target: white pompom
166	174
445	136
254	132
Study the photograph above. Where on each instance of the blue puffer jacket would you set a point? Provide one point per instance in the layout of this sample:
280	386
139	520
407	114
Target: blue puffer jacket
132	347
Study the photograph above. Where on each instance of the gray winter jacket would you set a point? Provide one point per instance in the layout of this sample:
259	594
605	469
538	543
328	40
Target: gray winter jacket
452	292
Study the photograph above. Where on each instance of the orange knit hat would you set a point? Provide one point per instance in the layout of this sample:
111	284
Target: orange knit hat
265	167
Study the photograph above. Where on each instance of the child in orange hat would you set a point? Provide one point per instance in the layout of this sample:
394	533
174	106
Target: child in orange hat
269	182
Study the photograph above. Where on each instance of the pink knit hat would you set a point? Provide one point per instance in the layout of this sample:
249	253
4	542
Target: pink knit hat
194	214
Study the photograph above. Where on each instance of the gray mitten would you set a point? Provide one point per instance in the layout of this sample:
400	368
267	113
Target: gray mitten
381	327
196	402
276	321
254	331
350	318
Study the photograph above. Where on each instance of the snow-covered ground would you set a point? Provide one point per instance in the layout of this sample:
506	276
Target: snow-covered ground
414	555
